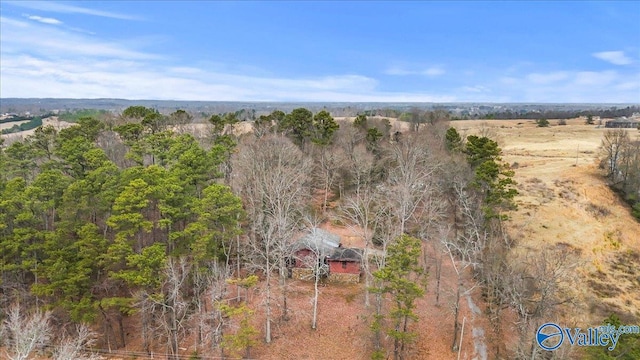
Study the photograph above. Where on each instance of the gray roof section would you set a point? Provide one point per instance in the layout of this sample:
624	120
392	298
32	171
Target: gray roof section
318	241
346	254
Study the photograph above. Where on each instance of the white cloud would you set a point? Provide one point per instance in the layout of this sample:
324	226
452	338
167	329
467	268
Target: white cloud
44	20
27	76
573	86
547	78
475	89
52	6
614	57
397	71
11	22
20	36
39	61
45	61
433	71
595	78
400	71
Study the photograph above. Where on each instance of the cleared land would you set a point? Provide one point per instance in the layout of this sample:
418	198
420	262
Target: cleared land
565	202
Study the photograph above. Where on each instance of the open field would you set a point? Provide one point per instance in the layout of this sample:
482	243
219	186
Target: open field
53	121
564	201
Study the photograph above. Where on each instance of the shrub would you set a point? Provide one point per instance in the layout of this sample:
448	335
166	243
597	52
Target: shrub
542	122
562	122
589	120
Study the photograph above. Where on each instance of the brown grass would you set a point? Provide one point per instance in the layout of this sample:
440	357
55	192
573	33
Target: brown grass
584	215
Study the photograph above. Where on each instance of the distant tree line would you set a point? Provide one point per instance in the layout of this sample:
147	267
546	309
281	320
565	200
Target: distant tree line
561	114
23	117
75	115
33	123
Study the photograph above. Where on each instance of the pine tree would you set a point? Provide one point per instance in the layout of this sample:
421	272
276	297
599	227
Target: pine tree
401	279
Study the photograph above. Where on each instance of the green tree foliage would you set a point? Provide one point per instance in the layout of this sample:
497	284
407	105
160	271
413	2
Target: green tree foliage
481	149
298	124
373	139
218	222
492	177
244	337
453	140
221	122
542	122
43	141
401	279
628	347
324	126
589	120
20	241
71	266
75	115
92	239
240	317
20	161
180	117
137	112
360	121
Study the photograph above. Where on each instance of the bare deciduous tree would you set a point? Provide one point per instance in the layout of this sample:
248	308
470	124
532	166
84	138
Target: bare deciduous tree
272	179
26	333
537	284
172	304
613	145
76	346
209	287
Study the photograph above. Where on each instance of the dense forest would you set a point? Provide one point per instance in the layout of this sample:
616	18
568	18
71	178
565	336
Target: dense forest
132	217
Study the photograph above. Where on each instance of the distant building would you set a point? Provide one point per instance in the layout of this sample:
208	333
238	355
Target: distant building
622	123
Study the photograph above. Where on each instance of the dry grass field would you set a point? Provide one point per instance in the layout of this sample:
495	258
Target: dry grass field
565	202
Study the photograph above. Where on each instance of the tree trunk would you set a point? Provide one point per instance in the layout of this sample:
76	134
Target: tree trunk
438	274
121	329
267	336
315	300
456	316
283	283
367	273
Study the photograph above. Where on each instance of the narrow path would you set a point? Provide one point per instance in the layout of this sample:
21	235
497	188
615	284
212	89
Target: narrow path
479	344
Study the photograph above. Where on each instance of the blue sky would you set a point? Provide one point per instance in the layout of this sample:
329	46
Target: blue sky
466	51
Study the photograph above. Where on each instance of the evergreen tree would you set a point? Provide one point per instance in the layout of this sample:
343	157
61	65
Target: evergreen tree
453	140
401	279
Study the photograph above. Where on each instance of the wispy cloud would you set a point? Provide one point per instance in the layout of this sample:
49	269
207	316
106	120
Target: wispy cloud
51	6
614	57
475	89
44	20
401	71
547	78
39	61
28	76
573	86
30	37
